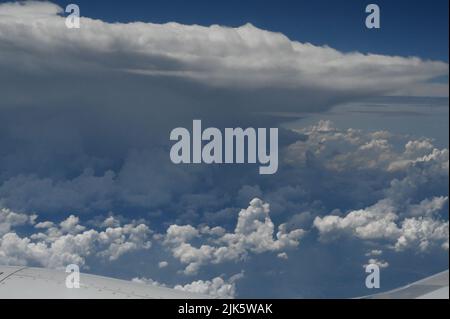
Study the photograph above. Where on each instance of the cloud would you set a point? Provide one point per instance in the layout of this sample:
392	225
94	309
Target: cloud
217	287
381	222
148	281
379	263
91	134
341	150
365	167
401	216
132	185
283	255
428	207
56	246
86	131
377	221
179	234
254	233
244	56
71	225
422	233
374	252
46	194
429	172
9	219
110	221
404	210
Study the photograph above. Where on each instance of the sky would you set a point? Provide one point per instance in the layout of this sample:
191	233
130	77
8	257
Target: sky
86	175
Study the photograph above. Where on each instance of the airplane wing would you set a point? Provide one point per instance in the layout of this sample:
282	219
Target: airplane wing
434	287
39	283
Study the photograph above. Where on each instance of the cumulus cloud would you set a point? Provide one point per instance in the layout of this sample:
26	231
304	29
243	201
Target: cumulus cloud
110	221
374	252
56	246
379	263
381	222
422	233
254	233
377	164
377	221
217	287
148	281
71	225
47	194
402	217
9	219
283	255
429	172
428	207
348	149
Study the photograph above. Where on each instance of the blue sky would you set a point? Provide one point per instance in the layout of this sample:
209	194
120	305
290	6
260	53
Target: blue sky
86	175
408	28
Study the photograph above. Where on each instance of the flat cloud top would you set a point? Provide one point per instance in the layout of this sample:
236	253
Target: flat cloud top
246	56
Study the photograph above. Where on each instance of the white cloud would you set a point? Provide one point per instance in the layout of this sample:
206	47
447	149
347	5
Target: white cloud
110	221
124	239
69	242
352	149
428	207
71	225
254	233
422	233
44	225
374	222
217	287
179	234
283	255
148	281
374	252
401	217
379	263
9	219
217	55
381	222
29	9
425	172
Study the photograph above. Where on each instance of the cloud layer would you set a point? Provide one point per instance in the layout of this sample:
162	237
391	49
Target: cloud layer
86	176
58	245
